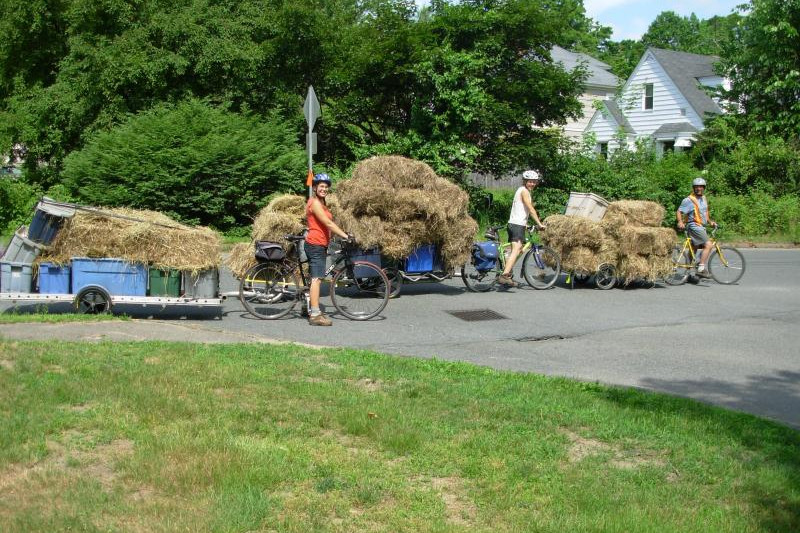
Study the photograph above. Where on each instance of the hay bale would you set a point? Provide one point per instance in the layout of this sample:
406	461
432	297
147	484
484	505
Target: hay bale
241	258
288	204
568	231
137	236
643	267
633	212
399	203
645	241
272	226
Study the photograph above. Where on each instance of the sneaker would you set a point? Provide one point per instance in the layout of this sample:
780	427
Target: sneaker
319	320
703	274
506	281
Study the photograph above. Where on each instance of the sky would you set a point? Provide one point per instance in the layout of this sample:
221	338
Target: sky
630	18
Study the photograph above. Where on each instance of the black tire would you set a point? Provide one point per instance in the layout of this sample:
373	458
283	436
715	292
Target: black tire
541	267
269	290
360	291
606	277
681	267
728	268
92	300
395	277
478	280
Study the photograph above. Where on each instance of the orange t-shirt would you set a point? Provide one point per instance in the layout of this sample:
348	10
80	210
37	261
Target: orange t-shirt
318	233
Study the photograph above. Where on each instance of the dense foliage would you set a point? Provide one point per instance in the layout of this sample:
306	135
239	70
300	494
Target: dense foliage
193	107
198	162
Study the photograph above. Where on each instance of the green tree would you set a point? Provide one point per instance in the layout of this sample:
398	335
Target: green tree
763	64
199	162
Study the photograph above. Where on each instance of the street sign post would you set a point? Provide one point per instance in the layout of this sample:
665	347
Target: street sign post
311	111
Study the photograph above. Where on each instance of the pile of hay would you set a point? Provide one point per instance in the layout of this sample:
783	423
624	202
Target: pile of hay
283	215
628	237
582	243
136	236
644	246
398	204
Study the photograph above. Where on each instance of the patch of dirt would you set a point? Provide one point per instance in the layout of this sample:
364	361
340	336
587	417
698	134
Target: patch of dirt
367	384
8	365
460	510
625	459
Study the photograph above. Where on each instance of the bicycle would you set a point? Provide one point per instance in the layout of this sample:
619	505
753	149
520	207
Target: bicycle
540	266
725	264
359	290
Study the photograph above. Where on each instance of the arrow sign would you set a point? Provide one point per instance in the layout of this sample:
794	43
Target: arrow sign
311	108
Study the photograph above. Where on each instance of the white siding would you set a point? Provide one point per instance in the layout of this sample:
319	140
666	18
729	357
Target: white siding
668	102
712	81
574	130
603	125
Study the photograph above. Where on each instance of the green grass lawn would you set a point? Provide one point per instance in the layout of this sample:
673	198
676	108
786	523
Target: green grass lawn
54	318
184	437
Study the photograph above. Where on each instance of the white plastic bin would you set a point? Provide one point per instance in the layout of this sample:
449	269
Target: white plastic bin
587	205
21	249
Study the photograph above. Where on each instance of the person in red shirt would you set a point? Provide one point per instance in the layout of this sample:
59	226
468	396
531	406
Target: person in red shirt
320	226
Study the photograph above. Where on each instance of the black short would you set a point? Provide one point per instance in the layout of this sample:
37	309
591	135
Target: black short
516	233
317	256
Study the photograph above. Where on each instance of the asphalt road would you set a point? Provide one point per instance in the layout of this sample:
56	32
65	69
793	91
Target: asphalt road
734	346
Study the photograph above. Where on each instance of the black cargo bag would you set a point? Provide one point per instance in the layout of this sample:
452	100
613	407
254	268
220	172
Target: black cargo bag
269	251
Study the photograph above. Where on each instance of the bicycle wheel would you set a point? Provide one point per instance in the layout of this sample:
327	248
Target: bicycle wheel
392	271
681	265
726	265
478	280
360	291
269	290
541	267
605	277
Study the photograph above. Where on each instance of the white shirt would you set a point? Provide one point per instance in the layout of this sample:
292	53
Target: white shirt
519	211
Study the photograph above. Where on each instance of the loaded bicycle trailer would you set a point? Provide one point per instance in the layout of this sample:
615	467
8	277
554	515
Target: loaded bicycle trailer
93	285
424	265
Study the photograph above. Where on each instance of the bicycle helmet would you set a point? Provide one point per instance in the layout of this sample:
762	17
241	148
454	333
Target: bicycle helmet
531	175
698	182
321	178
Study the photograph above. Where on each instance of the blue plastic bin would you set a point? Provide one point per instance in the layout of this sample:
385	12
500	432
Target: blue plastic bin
373	256
118	277
15	277
423	259
54	279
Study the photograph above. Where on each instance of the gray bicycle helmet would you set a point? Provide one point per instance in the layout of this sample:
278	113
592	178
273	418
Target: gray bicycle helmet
698	182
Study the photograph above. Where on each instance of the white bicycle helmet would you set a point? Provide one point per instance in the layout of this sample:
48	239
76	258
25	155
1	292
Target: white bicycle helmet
531	175
698	182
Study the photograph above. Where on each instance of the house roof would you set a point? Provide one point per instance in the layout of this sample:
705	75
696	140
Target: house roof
619	117
684	69
672	128
599	72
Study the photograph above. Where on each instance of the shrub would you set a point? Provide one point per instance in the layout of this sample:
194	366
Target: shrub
17	199
199	163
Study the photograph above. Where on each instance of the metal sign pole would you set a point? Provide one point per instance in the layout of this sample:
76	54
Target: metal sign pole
311	111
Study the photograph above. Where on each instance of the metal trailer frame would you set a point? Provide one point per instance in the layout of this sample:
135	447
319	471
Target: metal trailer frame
144	301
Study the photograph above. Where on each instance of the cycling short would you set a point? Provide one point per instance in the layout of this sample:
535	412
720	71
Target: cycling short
317	257
516	233
697	234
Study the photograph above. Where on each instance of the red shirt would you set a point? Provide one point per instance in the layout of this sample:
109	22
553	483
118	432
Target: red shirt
318	233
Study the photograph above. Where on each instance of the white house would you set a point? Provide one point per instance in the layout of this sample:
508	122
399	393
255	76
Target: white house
600	85
664	99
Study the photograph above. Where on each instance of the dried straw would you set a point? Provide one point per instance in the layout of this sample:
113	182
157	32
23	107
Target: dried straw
645	241
568	231
241	258
635	212
146	237
398	204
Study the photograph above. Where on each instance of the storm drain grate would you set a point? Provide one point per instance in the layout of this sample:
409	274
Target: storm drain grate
475	315
541	338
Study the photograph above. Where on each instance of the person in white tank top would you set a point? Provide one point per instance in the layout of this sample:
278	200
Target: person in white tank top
521	209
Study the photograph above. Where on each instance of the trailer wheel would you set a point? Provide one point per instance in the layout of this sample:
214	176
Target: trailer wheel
93	300
606	276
